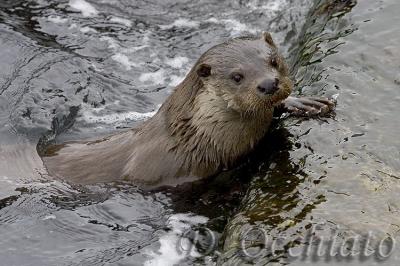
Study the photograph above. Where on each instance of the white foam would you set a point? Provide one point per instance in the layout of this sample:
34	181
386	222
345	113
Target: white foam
233	25
84	7
169	253
113	44
175	80
92	117
157	77
181	23
237	26
57	19
272	5
122	21
124	60
120	53
49	217
87	29
134	48
177	62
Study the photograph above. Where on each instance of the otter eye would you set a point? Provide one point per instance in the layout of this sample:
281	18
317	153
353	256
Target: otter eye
237	77
274	62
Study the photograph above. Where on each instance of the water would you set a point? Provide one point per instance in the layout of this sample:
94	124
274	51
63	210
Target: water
78	69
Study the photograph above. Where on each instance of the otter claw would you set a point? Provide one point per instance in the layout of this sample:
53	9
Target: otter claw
308	106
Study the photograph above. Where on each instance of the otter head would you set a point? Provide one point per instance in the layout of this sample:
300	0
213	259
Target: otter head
248	73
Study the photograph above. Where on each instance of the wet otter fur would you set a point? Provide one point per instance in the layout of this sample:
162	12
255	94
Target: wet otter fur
215	116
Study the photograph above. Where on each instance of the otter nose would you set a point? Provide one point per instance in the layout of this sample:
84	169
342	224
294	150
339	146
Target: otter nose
268	86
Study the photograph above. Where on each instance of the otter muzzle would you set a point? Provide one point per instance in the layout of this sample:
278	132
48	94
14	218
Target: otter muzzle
268	86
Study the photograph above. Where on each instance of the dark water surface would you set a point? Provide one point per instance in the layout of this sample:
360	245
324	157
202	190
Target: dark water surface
78	69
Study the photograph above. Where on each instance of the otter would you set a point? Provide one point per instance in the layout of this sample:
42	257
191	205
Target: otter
214	117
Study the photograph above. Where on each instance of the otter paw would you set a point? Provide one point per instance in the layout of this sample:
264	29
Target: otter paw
308	106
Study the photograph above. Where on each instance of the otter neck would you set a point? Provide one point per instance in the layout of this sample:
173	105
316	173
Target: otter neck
208	133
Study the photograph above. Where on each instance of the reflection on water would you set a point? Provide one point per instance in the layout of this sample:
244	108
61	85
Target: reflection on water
77	69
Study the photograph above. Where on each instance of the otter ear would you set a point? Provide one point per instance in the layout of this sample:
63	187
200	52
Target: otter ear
204	70
268	38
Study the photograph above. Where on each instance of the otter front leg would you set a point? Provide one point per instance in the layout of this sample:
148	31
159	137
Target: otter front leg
308	106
